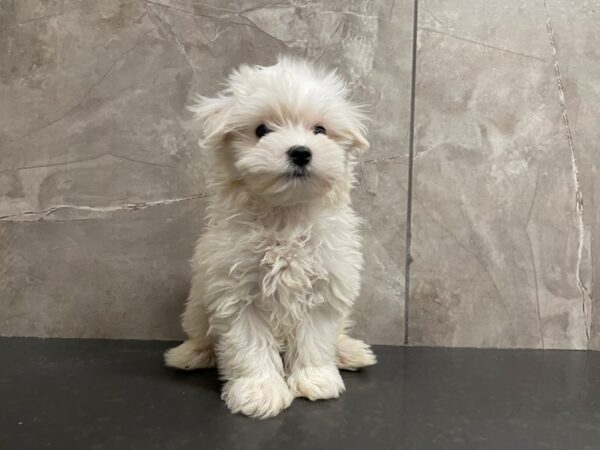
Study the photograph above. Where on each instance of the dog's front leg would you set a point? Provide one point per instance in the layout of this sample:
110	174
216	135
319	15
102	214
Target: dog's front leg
249	360
310	358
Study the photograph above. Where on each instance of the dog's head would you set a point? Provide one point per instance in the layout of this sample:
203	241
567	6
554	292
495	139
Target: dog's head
285	134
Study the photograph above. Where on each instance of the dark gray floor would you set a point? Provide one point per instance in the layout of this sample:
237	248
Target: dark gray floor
80	394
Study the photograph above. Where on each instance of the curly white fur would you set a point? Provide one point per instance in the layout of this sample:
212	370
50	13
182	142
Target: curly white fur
277	268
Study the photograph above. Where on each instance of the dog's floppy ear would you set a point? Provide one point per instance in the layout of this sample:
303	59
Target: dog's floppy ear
213	115
355	129
359	141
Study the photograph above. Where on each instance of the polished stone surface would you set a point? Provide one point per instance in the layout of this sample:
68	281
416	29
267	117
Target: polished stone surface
102	187
575	28
101	181
502	257
78	277
116	394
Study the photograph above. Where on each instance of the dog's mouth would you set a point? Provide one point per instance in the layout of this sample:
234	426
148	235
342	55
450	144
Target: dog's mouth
298	172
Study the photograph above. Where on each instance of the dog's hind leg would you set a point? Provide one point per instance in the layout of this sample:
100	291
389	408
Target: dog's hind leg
352	354
191	354
197	351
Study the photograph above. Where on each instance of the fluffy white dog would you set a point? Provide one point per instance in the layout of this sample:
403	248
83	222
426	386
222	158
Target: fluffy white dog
277	268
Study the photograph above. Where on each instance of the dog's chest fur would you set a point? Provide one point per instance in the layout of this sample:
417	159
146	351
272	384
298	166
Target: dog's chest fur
283	271
293	277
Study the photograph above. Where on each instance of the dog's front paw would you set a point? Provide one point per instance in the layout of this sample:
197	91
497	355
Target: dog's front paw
316	383
257	397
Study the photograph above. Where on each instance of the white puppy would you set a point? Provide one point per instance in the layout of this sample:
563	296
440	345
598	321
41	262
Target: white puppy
277	268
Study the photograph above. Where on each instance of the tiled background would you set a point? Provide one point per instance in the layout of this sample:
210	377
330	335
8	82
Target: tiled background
102	186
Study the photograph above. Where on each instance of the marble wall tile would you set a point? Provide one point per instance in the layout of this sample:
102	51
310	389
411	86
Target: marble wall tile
101	183
574	26
499	253
120	276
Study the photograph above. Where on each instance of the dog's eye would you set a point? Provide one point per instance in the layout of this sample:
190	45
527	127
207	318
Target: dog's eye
319	130
262	130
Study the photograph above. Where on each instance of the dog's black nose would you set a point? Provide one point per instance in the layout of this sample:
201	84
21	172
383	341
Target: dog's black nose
300	155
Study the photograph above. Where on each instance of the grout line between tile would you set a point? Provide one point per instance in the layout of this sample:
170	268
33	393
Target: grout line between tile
411	142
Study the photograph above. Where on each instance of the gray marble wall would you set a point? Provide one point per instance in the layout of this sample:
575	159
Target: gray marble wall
102	187
505	156
101	181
